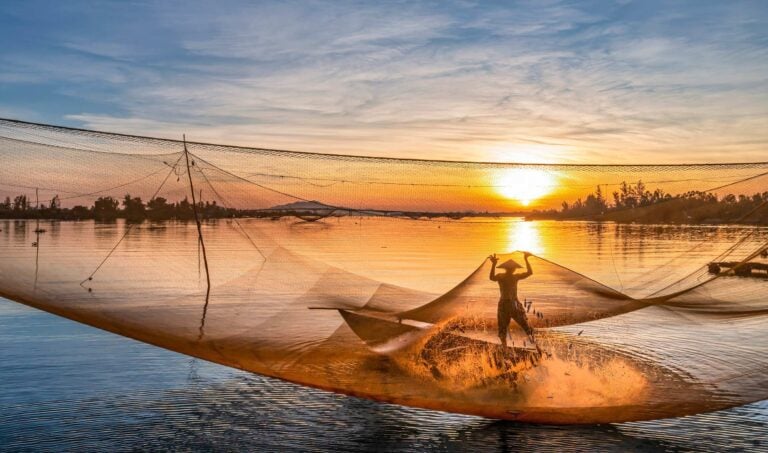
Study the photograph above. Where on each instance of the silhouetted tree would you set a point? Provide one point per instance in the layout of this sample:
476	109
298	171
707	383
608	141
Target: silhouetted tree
133	209
159	209
20	203
184	210
80	212
105	208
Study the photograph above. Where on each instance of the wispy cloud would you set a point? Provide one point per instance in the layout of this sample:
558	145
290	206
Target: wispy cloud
619	81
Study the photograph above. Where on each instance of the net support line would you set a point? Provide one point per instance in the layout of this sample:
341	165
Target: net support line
130	227
242	229
18	124
360	210
227	205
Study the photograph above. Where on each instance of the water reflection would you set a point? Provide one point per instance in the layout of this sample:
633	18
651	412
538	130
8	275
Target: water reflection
20	231
410	249
525	236
242	411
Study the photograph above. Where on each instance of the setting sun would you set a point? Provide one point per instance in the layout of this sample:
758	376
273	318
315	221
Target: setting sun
525	185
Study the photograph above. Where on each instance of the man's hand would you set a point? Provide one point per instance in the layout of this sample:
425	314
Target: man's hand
494	259
527	254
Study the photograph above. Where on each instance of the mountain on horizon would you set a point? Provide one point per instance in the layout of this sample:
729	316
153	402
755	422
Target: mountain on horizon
302	206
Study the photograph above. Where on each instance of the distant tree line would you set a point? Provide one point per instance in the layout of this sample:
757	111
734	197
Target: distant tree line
109	208
630	203
635	203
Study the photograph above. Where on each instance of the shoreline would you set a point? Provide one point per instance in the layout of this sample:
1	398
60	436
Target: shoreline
432	216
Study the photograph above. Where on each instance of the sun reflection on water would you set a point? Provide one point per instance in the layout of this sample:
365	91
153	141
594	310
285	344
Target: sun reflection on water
524	236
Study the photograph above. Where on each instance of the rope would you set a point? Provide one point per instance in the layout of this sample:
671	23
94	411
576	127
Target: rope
152	157
130	227
226	205
305	154
74	195
763	203
334	181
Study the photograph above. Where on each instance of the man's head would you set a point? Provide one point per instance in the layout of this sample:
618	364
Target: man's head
509	266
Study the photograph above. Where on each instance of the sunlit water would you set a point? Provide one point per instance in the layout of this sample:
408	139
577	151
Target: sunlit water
65	386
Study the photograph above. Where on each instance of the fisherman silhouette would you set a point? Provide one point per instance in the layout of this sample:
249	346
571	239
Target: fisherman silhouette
509	305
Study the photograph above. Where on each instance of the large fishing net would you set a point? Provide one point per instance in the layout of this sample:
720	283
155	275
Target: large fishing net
233	255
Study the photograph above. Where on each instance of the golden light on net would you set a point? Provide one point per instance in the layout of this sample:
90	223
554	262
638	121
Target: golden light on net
525	185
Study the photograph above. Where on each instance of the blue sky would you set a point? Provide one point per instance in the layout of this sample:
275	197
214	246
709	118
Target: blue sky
552	81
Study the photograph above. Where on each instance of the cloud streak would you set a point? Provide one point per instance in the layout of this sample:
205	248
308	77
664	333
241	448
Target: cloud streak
590	82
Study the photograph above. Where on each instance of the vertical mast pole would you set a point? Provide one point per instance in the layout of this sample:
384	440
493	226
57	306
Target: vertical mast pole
199	232
37	237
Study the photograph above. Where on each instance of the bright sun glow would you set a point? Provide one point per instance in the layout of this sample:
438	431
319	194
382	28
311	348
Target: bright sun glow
525	185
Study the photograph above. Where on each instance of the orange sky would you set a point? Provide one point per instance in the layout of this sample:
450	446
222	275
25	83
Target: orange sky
554	82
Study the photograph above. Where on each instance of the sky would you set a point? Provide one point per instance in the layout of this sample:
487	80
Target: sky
545	81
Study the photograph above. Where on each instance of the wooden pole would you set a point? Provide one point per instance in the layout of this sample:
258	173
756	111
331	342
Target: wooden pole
37	237
199	236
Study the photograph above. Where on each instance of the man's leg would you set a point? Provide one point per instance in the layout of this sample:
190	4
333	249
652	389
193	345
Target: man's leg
502	318
522	320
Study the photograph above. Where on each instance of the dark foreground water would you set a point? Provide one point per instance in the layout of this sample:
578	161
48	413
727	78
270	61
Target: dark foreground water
66	386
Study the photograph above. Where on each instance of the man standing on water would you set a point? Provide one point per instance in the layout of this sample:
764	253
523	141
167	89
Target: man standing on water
509	305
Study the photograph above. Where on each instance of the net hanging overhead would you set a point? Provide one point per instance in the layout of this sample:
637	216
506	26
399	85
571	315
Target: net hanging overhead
644	294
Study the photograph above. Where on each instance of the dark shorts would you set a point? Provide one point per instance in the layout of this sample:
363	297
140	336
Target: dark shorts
509	310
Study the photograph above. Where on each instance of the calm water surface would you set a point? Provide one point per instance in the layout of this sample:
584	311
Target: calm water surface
65	386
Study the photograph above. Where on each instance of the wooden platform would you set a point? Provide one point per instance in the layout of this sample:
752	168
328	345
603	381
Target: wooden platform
739	268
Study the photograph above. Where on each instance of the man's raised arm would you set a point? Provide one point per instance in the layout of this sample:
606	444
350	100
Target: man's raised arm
494	260
528	271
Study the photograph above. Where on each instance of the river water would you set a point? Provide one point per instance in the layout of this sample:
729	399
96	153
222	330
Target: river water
66	386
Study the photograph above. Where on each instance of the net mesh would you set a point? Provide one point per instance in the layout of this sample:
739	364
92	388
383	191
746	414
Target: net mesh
273	261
